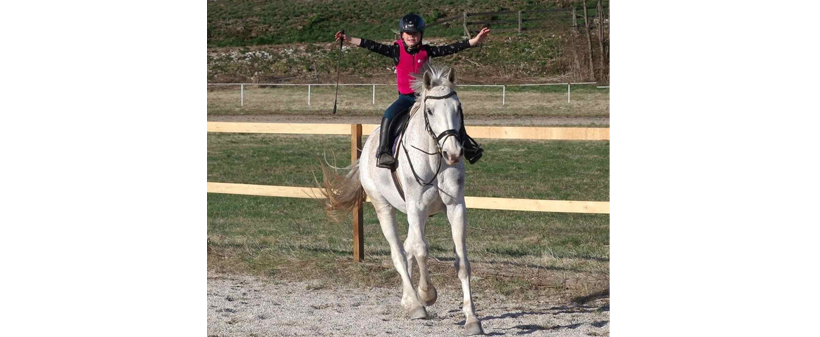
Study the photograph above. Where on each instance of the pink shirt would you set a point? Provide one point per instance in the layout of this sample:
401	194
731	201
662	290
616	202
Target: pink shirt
409	64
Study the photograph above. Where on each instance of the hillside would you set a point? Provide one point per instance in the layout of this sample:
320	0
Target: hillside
272	41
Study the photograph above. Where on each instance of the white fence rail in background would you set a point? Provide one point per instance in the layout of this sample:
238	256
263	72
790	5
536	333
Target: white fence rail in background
503	88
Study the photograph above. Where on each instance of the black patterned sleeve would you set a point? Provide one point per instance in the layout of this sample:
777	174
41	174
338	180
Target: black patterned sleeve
448	49
389	51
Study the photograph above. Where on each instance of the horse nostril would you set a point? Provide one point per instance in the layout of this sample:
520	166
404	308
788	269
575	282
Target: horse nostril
444	153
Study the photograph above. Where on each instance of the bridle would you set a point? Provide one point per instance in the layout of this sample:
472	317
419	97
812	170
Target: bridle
444	134
438	138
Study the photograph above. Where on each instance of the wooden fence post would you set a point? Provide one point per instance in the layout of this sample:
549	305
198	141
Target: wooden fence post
519	22
589	40
358	221
601	39
466	31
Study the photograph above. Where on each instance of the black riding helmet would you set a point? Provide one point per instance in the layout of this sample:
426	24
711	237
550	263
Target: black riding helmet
411	23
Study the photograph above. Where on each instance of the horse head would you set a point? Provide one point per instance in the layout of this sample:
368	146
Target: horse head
442	110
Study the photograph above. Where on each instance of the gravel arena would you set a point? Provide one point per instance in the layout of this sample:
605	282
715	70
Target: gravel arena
250	306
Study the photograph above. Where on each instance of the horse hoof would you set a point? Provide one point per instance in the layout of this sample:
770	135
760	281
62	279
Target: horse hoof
418	313
473	328
428	297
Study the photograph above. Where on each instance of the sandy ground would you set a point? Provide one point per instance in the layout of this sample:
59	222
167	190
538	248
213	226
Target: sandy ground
251	306
473	120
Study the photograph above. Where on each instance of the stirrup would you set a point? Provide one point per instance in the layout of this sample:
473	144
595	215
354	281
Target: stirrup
386	160
473	155
472	151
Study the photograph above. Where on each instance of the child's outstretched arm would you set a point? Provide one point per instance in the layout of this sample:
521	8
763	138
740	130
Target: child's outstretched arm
354	40
480	37
437	51
369	45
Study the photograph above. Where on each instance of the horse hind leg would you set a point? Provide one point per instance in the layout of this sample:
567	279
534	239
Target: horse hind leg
409	298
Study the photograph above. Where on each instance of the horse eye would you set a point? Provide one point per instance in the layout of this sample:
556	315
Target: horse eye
429	112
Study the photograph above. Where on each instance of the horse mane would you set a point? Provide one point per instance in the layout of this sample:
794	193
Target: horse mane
438	74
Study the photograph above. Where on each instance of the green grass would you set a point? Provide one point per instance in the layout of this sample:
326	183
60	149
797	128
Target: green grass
257	22
517	254
556	170
516	58
298	39
291	239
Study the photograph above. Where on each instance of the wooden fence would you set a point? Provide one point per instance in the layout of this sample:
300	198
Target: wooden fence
491	18
357	130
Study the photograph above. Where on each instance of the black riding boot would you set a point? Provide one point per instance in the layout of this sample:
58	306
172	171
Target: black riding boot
385	156
472	151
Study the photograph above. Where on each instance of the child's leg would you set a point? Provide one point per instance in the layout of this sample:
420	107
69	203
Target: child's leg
384	154
404	102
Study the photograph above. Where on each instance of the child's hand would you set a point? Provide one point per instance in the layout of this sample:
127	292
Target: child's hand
480	37
339	35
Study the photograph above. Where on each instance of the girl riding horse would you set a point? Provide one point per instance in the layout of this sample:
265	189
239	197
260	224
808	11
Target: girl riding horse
409	56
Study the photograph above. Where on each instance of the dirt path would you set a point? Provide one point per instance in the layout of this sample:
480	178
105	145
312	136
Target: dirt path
251	306
474	120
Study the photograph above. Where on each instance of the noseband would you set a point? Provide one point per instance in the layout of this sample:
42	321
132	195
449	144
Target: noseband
438	139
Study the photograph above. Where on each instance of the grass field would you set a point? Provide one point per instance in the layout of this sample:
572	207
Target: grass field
518	254
586	100
293	42
242	22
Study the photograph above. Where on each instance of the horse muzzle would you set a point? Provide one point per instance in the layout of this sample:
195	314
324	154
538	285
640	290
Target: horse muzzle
451	158
452	151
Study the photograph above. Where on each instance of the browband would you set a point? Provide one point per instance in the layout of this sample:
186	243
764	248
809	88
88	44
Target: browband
440	97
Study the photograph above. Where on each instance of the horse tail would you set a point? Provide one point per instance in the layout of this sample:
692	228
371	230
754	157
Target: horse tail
342	192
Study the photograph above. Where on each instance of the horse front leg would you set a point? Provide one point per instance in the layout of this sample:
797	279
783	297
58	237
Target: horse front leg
457	215
417	246
409	298
408	250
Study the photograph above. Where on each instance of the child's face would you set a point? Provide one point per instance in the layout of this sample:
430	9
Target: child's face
411	39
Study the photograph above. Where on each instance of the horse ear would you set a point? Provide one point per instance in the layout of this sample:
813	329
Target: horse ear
428	80
452	76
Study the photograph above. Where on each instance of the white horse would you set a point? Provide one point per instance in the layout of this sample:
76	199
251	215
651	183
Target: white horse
431	174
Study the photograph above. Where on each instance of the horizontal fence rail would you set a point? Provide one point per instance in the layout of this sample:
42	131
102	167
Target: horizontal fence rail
505	204
483	132
374	85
